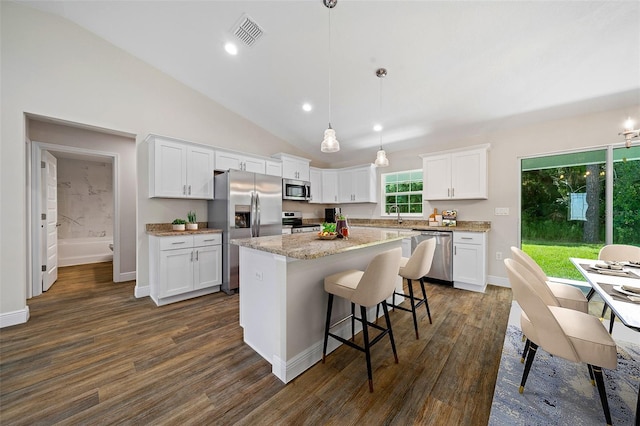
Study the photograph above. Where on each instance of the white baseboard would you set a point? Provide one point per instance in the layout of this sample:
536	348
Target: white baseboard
126	276
142	291
8	319
498	281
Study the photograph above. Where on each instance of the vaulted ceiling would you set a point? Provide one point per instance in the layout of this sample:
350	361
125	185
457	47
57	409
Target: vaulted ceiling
454	68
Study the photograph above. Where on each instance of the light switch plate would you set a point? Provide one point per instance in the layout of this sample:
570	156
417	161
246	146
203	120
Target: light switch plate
502	211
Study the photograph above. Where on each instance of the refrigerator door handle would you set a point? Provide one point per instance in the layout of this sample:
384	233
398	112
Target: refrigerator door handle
252	225
257	214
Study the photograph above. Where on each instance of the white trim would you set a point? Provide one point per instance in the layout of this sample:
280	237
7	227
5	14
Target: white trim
8	319
498	281
124	276
141	291
486	146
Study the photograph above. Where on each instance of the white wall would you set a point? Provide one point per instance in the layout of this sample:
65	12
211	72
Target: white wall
53	68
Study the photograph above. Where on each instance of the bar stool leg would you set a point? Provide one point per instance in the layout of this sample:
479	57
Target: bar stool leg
353	321
327	324
367	347
426	303
413	307
385	308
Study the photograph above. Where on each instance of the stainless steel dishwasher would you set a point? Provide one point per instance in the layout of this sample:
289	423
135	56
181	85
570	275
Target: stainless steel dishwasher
442	266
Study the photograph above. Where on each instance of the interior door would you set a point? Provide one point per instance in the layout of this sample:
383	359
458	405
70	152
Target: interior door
50	221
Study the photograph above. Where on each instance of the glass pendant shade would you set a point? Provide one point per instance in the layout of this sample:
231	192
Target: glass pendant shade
381	158
330	143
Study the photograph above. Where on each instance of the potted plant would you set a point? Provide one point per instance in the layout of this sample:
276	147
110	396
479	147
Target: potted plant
178	224
192	225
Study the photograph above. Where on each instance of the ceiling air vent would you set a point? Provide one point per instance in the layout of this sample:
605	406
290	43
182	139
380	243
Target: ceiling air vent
248	31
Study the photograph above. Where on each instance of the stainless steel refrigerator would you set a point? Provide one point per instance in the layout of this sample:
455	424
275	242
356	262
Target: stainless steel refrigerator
245	205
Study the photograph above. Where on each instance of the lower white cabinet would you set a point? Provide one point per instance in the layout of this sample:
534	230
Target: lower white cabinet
470	260
184	266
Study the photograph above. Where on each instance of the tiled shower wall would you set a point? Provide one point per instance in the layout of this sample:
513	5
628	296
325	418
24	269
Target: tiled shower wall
85	198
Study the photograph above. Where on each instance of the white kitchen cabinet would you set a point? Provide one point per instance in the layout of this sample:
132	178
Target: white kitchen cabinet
330	186
294	167
456	175
470	260
184	266
226	160
315	179
358	185
273	168
179	169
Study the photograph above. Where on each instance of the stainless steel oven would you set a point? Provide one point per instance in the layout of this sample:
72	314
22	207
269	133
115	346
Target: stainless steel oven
296	190
292	224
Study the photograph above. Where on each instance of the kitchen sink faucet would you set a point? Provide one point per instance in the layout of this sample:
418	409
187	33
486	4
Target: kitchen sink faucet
395	209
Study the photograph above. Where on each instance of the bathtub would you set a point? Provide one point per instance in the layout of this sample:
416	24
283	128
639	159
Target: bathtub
80	251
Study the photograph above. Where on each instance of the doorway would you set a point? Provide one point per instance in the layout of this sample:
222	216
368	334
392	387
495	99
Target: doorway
44	219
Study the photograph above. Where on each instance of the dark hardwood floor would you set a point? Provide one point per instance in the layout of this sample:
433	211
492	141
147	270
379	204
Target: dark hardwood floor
94	354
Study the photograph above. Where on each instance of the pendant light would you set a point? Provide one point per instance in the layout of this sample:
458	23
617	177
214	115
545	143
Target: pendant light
381	156
330	143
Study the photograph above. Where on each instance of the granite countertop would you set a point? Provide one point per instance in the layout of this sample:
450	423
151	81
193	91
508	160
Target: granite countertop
307	245
423	225
165	230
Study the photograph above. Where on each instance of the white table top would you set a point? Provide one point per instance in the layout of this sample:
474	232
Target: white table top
627	312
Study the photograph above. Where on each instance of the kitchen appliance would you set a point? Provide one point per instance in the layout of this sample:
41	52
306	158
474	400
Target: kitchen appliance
292	221
296	190
442	266
245	205
331	215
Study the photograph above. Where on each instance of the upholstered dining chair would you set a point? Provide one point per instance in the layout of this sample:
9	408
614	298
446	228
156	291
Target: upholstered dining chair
367	289
415	268
565	333
566	295
616	253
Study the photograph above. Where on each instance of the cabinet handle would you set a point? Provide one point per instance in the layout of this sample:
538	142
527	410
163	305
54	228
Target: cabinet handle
189	189
448	192
179	242
466	238
453	192
184	189
197	252
455	250
192	256
206	241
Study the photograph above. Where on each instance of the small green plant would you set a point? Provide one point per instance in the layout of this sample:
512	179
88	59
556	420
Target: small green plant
179	222
191	217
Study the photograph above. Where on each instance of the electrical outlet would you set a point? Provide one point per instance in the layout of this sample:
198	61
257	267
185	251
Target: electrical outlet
498	255
259	276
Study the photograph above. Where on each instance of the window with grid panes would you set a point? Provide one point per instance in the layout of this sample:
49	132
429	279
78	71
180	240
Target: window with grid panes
403	189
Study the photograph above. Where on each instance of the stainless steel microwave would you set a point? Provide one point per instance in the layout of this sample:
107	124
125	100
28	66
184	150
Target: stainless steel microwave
296	190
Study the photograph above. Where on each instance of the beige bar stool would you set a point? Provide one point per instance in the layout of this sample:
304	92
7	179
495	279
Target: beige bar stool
367	289
415	268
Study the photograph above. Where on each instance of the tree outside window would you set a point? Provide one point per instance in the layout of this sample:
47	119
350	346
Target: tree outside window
403	189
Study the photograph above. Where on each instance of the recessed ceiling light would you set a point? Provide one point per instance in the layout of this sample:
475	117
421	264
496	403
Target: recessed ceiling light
307	107
377	127
231	48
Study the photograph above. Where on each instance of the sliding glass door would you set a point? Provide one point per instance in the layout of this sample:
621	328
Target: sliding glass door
574	203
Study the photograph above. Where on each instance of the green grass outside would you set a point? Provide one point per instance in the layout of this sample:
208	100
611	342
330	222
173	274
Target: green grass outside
553	258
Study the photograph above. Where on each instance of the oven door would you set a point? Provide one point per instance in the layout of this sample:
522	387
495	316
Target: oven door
295	190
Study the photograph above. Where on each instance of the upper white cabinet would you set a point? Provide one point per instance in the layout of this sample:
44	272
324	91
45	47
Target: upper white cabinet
226	160
358	185
179	169
329	186
294	167
315	179
456	175
273	168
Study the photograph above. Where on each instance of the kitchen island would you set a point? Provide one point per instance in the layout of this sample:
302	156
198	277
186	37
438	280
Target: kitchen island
282	299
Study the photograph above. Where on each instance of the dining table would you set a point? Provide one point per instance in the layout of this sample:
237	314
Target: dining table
609	283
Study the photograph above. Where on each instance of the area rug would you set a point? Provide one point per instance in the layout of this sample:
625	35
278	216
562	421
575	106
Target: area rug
559	392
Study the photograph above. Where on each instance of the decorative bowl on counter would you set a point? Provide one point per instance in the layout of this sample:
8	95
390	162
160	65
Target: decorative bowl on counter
327	235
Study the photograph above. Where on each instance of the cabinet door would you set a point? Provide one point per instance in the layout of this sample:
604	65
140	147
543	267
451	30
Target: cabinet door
207	269
169	169
467	264
254	165
176	272
469	174
315	178
273	168
200	173
364	185
329	186
345	186
293	168
437	177
226	161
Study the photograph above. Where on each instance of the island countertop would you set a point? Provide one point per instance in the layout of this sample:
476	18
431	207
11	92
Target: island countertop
307	245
